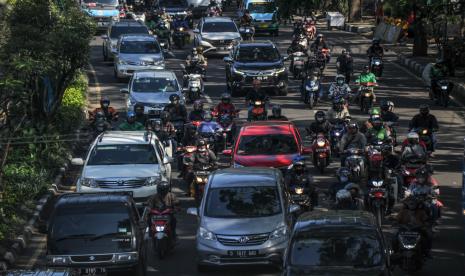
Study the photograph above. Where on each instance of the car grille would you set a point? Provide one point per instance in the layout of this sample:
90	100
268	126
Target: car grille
243	240
101	19
153	105
92	258
220	43
120	183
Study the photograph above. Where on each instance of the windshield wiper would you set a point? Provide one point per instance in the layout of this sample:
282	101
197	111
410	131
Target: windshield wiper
75	236
105	236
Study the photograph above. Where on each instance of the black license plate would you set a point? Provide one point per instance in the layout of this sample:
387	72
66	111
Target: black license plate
242	253
154	112
299	197
93	271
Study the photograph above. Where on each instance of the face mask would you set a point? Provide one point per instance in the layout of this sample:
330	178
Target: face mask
340	82
344	178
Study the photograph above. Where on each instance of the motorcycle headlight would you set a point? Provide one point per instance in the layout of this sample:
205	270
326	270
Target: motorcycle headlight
444	87
181	29
195	84
160	228
377	63
153	180
320	143
258	103
424	131
89	182
206	235
368	95
377	183
299	190
337	134
235	71
199	179
280	232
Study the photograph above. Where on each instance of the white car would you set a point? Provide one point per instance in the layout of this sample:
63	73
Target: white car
216	34
133	161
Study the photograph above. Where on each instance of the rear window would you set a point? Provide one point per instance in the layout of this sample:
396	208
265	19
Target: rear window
267	145
116	31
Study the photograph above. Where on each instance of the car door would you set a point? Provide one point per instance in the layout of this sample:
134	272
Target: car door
164	168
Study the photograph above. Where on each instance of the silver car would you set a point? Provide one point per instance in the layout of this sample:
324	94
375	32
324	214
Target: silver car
137	52
216	34
245	217
152	88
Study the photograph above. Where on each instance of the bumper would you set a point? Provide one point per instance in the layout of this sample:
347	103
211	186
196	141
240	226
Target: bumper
266	27
217	48
216	254
268	82
125	71
140	195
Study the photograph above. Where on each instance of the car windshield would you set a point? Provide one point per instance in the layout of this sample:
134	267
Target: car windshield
355	248
103	228
173	3
219	27
123	154
241	202
262	7
139	47
154	85
258	54
103	2
116	31
267	145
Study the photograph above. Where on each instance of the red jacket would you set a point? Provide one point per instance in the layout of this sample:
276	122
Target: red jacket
223	108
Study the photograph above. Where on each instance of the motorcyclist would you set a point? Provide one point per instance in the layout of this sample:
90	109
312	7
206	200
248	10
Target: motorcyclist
392	162
255	94
345	65
140	116
320	125
110	113
299	175
378	132
203	157
425	120
197	113
162	31
355	194
344	201
387	114
296	46
225	106
131	124
164	15
339	88
167	126
276	114
246	19
352	139
342	175
338	110
191	136
176	110
375	50
163	199
367	77
157	127
319	43
196	61
180	22
437	72
413	148
100	123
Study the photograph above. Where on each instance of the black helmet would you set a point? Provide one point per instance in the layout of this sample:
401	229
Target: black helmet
422	174
138	108
376	41
104	102
298	164
165	116
320	116
174	98
276	110
384	105
202	145
343	174
163	188
424	109
225	98
207	116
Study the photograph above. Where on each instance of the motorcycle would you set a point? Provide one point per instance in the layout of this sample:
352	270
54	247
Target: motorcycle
321	152
378	198
355	162
180	37
213	138
185	154
409	169
375	159
194	86
376	66
426	136
299	195
310	31
227	123
442	94
258	112
366	96
200	180
410	251
247	32
179	127
298	64
335	135
310	92
163	240
323	56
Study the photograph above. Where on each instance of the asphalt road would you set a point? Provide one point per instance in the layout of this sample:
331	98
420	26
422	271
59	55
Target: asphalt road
397	84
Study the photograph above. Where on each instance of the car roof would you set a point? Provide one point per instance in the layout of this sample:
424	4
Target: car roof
124	137
330	218
154	74
137	37
256	43
127	23
92	198
247	176
217	19
267	127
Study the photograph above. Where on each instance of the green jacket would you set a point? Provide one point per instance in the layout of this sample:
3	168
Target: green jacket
131	127
380	135
162	33
437	73
370	77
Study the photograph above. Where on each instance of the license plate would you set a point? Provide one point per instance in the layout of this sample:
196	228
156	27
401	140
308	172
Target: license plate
264	25
242	253
262	77
93	271
299	197
154	112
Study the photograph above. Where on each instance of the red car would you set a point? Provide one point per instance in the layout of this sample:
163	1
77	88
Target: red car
267	144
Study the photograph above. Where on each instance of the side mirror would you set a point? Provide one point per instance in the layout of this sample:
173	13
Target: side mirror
104	37
227	152
294	208
307	150
124	91
227	59
77	162
193	211
167	160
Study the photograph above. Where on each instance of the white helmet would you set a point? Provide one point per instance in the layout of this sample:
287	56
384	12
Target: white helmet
340	76
413	135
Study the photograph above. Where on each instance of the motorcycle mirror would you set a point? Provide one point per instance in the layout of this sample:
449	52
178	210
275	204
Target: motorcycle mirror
77	162
124	91
193	211
227	59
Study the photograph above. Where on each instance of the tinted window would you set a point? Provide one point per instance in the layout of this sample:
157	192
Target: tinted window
258	54
173	3
267	145
122	154
87	229
262	7
105	2
234	202
154	85
341	248
116	31
139	47
219	27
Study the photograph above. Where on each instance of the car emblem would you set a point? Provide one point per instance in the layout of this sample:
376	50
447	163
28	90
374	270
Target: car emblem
243	239
221	41
121	182
91	258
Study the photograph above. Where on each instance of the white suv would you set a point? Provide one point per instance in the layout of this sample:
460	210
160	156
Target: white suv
133	161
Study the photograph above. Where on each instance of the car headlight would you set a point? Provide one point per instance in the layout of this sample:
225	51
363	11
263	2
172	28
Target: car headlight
59	260
125	257
280	70
235	71
131	101
88	182
279	233
153	180
122	62
160	228
206	235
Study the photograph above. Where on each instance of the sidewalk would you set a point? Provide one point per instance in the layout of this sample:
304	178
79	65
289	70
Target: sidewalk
420	66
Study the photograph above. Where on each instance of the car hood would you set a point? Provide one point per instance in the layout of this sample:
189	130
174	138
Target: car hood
155	98
258	65
140	57
327	271
221	36
123	171
262	16
242	226
274	161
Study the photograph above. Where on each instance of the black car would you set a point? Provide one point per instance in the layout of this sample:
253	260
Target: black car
256	60
341	242
95	233
174	7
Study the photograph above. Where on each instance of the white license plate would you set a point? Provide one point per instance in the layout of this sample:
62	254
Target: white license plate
262	77
101	24
93	271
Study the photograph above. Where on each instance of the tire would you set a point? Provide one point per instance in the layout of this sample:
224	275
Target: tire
311	101
283	91
445	100
379	216
160	248
322	165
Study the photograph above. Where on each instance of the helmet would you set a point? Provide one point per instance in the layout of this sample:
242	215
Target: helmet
422	175
131	116
344	51
139	108
320	116
366	68
163	188
413	137
104	102
207	117
376	41
343	196
202	145
353	188
298	164
343	174
353	127
198	105
276	110
340	79
174	98
387	105
225	98
319	36
156	125
165	116
375	111
424	109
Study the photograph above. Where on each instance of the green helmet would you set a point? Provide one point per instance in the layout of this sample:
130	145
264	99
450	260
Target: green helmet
375	111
